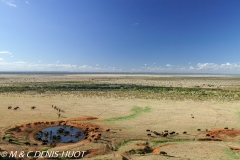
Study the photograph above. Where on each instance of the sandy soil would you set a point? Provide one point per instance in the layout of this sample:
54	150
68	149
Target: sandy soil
212	128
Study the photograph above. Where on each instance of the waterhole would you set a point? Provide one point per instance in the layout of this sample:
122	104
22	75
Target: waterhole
59	134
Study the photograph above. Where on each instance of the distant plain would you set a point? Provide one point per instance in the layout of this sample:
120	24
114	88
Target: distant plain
129	105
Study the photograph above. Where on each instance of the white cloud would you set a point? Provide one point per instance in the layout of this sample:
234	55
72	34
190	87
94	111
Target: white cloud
191	68
10	3
135	24
198	68
5	52
169	65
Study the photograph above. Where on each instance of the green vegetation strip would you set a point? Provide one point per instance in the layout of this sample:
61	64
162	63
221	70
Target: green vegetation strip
155	142
231	154
126	90
136	112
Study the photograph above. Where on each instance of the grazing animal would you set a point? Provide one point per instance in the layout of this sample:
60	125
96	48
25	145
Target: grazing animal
27	143
9	107
184	132
142	153
199	129
33	107
108	130
172	132
163	153
148	130
44	143
165	134
10	140
15	108
3	138
34	144
149	135
226	128
59	115
70	141
208	135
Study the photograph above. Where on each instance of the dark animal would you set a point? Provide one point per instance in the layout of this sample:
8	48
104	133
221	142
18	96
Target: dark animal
172	133
33	107
199	129
163	153
34	144
165	134
208	135
108	130
10	140
149	135
70	141
148	130
44	143
142	152
184	132
156	133
226	128
9	107
27	143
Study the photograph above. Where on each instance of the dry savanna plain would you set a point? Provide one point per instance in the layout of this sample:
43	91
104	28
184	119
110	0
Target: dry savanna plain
123	116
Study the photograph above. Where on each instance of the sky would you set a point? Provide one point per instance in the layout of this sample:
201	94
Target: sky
157	36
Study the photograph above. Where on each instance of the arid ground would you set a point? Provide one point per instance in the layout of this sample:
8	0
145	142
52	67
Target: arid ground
125	116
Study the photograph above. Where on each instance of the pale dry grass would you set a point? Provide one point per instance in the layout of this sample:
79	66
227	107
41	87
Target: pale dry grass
172	115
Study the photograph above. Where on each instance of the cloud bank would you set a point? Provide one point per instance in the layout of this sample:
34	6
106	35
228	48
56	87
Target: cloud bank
225	68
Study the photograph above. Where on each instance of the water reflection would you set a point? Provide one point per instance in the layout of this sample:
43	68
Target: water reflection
59	134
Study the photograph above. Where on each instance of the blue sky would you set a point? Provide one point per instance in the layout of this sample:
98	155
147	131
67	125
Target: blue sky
176	36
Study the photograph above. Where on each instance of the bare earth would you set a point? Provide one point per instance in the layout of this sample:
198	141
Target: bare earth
211	126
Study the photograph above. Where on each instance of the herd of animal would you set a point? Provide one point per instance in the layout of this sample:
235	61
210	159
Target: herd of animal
15	108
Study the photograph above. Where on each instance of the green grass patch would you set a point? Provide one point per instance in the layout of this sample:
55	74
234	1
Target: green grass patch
231	154
136	111
155	142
